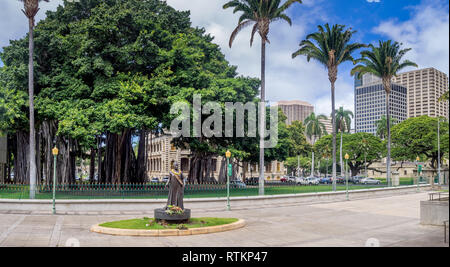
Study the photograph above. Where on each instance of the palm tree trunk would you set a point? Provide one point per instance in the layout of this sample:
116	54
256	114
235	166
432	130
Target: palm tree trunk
388	128
262	116
32	155
312	159
333	123
318	167
340	157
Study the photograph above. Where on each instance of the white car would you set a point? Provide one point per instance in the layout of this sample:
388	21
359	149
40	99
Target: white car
299	180
370	181
311	181
154	180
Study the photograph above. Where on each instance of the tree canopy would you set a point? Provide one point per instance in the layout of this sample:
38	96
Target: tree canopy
418	137
355	145
108	70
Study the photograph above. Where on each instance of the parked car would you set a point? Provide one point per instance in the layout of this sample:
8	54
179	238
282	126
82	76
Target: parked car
154	180
292	179
340	180
356	179
165	179
370	181
237	184
326	180
311	181
284	179
252	181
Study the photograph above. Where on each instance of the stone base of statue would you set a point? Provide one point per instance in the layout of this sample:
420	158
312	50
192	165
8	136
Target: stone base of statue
162	216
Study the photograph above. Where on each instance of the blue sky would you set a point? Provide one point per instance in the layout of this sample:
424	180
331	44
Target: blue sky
422	25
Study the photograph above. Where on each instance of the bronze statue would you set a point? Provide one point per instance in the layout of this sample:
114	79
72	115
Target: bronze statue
176	187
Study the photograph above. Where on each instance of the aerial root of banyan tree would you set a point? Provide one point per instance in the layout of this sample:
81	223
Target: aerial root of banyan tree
113	155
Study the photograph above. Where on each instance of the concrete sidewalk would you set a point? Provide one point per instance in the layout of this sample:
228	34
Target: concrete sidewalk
388	221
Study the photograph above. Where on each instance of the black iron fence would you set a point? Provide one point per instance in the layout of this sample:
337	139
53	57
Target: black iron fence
160	190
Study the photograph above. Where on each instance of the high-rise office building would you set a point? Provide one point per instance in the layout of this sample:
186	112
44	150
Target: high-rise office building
370	103
425	86
295	110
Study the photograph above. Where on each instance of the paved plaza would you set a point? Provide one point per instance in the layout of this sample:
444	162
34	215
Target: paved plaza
387	221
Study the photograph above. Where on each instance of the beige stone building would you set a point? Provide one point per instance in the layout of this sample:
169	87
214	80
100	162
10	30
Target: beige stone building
424	87
162	154
295	110
407	169
328	125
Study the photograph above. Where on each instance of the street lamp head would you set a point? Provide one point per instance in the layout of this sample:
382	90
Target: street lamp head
347	156
228	154
55	151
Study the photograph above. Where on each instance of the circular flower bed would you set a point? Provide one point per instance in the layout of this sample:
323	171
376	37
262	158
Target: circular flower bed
150	227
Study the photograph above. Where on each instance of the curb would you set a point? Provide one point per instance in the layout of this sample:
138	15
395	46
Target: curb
168	232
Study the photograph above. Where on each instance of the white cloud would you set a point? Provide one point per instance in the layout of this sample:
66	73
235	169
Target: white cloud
427	33
286	78
14	24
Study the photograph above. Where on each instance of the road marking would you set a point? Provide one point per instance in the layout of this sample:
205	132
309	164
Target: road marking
5	234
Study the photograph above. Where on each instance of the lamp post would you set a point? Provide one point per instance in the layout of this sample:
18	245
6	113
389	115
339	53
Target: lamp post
55	153
418	176
346	172
228	155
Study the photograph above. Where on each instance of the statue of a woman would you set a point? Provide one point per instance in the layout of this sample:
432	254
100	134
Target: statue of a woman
176	187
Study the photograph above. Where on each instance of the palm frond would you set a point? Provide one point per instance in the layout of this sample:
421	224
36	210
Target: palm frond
238	29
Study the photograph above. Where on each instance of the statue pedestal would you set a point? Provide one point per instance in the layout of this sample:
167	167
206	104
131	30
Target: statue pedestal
161	215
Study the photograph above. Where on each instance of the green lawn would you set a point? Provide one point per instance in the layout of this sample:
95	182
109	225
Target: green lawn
150	224
15	192
403	180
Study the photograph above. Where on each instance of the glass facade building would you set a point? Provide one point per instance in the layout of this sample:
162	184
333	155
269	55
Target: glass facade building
370	105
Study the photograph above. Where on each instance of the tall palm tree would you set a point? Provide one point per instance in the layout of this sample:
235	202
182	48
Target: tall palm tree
384	61
260	14
381	126
330	47
30	9
314	130
343	125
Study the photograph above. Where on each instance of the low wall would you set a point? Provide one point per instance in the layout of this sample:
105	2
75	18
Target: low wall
433	212
201	203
